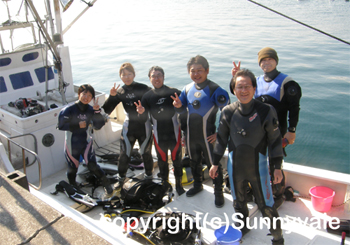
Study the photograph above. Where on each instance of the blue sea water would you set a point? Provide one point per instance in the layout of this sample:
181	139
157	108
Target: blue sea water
168	32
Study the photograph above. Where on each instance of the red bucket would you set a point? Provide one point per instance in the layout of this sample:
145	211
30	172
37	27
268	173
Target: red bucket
321	198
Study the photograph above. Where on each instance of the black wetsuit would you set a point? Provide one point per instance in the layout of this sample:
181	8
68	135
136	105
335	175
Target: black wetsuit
202	101
248	130
166	128
136	127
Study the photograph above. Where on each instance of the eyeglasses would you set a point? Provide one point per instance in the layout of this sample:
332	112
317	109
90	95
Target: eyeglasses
246	87
156	76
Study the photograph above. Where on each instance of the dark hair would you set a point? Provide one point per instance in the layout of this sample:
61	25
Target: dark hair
155	68
242	73
88	88
127	66
198	60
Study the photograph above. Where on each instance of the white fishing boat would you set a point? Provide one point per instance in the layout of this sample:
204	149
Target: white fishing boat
36	82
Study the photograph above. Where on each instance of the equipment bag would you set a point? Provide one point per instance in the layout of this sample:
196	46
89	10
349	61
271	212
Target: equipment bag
146	194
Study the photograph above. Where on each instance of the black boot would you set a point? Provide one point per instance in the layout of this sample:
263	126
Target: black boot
71	175
278	242
218	192
197	187
196	169
179	188
219	199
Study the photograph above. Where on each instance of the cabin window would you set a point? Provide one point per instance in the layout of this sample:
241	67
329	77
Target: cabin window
40	73
30	56
3	87
21	80
5	61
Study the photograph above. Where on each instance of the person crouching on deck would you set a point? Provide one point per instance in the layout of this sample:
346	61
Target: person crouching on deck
74	120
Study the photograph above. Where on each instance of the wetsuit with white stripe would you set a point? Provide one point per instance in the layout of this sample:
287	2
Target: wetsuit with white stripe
248	130
202	101
135	127
166	128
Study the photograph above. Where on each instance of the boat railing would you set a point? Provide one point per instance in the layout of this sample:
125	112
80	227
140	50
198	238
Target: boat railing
35	146
24	149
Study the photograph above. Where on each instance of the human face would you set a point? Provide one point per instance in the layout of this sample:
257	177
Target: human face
127	77
268	64
157	79
244	89
198	74
85	97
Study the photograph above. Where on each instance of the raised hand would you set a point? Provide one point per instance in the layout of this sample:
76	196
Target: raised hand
96	106
235	68
139	108
177	102
114	90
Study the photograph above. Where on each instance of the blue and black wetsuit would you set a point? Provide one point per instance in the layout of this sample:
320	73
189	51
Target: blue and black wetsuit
166	128
283	93
202	101
78	141
248	130
135	127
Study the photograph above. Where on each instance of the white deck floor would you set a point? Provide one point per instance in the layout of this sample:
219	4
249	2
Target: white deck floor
301	223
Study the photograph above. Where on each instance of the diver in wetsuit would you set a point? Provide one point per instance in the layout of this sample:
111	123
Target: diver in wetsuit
283	93
248	127
75	120
135	127
202	98
166	127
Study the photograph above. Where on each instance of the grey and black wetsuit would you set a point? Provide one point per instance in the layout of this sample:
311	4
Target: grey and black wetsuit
248	130
135	127
166	128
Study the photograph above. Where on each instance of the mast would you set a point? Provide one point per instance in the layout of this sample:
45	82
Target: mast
53	48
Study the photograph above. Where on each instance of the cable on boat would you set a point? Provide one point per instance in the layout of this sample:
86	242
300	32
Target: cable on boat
299	22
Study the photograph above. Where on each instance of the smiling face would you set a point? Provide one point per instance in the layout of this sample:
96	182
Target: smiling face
85	97
127	76
156	78
268	64
197	73
244	89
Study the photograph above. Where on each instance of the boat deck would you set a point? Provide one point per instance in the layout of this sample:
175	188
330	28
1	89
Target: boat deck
301	223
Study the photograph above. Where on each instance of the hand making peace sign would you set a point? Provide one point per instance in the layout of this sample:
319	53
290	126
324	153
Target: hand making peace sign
113	91
177	102
235	68
139	108
96	106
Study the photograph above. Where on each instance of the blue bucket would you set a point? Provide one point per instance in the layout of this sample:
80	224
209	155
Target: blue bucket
231	237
